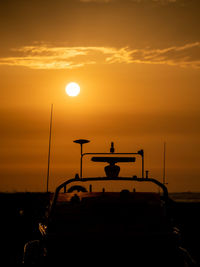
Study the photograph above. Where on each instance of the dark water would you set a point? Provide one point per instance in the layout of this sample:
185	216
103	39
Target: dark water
186	197
21	212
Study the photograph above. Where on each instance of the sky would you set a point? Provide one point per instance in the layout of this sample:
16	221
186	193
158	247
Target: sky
138	66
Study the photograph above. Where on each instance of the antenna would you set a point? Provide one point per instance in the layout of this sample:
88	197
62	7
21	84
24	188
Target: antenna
81	142
164	159
49	148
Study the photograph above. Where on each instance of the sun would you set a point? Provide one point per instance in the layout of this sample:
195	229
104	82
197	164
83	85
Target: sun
72	89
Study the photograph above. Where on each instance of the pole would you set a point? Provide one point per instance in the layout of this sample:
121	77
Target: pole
164	163
49	147
81	170
143	165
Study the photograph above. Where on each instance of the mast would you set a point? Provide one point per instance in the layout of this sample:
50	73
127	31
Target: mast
164	159
49	148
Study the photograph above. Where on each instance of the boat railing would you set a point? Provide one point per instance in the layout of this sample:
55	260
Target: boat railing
64	186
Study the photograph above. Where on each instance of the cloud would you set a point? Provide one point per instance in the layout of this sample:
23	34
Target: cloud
185	55
48	57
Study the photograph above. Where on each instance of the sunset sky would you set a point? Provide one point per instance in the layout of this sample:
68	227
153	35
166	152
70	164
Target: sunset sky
138	66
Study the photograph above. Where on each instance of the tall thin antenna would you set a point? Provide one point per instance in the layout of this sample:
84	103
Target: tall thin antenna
164	159
49	147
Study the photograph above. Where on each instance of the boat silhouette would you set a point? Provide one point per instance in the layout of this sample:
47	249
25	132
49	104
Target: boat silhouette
89	227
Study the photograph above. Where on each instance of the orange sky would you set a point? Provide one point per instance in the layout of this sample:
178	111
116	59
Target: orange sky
138	65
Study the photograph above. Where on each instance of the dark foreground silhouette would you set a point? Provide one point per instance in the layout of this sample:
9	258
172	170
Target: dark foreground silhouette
21	212
83	226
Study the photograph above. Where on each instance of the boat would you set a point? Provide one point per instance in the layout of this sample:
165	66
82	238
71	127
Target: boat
86	226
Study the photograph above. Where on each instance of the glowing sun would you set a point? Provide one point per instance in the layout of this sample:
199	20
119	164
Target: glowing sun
72	89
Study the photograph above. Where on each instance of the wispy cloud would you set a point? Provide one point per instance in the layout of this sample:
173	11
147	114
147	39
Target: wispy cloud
48	57
183	56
